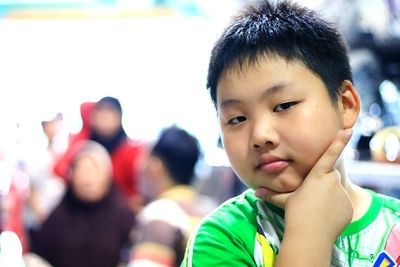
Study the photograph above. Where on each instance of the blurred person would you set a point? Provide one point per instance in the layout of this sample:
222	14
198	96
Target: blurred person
102	122
13	181
222	182
92	223
56	136
165	223
46	188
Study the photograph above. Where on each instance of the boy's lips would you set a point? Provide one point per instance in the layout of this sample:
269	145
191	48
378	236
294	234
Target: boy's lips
271	164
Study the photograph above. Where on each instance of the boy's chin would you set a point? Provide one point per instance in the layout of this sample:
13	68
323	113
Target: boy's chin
283	186
270	195
276	198
269	191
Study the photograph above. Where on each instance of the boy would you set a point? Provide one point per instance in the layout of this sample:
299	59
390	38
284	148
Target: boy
280	79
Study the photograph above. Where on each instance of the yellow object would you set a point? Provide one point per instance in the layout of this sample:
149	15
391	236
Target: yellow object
385	145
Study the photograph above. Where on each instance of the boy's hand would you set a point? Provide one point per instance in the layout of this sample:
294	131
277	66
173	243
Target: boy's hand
317	212
320	203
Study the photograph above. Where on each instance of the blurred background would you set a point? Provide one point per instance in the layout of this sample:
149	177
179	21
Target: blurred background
153	56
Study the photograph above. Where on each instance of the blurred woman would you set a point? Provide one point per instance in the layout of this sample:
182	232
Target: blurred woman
91	225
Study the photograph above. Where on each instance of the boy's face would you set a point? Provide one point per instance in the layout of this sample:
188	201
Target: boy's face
276	120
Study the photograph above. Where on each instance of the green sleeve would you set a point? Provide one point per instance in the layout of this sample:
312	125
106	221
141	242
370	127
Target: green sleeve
217	245
226	237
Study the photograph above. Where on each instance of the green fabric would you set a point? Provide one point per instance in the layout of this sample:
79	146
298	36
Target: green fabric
366	219
227	236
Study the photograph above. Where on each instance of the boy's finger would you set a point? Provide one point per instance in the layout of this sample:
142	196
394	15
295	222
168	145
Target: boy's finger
327	161
278	199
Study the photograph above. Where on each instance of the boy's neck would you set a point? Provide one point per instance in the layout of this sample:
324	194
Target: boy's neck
360	198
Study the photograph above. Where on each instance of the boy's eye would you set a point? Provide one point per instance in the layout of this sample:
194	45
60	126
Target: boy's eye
284	106
236	120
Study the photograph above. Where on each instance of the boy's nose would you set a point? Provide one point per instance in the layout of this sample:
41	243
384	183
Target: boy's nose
264	136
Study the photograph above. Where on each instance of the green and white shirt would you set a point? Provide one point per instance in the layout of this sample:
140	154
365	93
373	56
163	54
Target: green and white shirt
245	231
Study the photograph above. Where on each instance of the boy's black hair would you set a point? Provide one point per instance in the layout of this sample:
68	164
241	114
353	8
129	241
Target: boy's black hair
287	30
179	151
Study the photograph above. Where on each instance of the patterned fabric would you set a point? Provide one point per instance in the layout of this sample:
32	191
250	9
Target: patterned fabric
165	226
374	239
246	231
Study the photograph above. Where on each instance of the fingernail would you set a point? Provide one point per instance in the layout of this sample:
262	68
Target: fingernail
348	132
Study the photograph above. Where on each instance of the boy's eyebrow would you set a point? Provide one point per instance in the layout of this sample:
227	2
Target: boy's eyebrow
228	102
276	88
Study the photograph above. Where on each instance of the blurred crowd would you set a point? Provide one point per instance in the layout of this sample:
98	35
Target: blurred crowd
100	198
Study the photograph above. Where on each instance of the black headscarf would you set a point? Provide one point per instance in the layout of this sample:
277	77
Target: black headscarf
109	143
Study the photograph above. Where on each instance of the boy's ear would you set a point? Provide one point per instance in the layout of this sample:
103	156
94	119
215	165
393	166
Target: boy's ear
349	104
